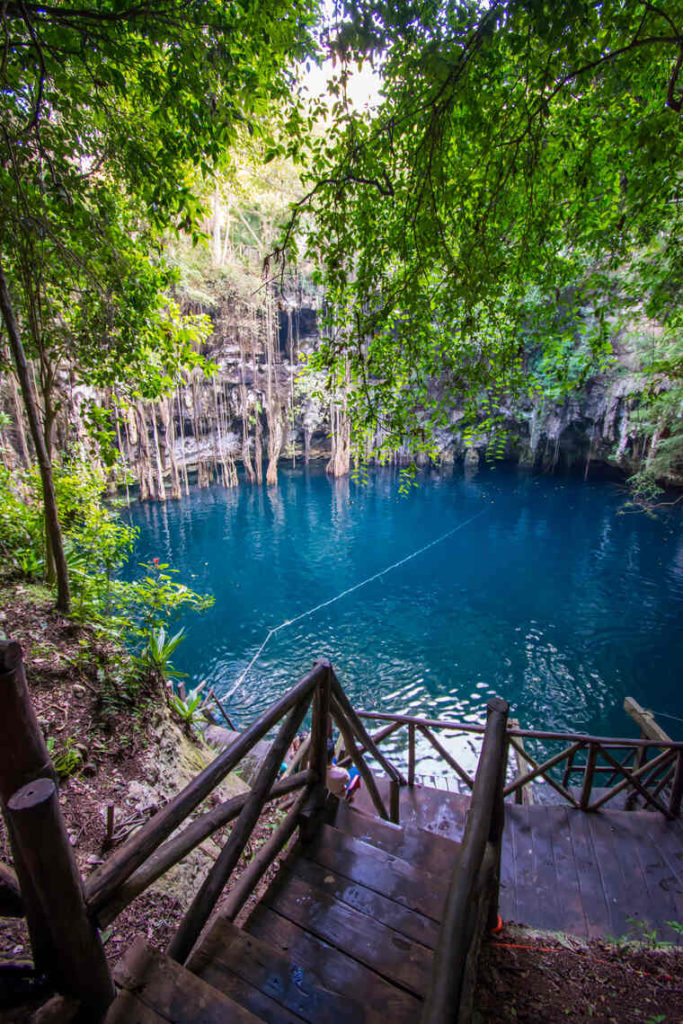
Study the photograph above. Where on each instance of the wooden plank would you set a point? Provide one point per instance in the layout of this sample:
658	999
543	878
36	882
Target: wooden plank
173	992
665	894
430	852
409	923
128	1009
568	889
386	952
622	834
275	987
593	897
645	720
667	838
550	890
336	970
525	902
433	810
616	891
507	894
388	875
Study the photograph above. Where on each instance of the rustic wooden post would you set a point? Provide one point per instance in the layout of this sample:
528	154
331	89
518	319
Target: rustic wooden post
320	723
588	776
411	753
77	963
23	758
677	787
394	801
497	708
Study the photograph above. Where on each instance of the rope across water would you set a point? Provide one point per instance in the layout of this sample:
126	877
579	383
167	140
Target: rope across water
345	593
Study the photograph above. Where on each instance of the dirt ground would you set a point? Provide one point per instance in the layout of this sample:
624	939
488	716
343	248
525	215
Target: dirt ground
542	979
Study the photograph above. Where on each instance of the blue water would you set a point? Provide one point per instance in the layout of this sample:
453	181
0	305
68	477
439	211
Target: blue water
545	594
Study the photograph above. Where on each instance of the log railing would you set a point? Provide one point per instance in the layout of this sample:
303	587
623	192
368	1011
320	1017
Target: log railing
64	914
586	771
472	901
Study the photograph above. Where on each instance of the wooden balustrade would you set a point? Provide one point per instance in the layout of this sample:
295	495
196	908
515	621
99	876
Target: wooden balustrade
106	879
473	895
198	913
616	758
62	924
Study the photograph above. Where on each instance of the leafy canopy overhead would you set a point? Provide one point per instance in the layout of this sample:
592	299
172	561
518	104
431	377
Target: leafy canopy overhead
108	113
524	154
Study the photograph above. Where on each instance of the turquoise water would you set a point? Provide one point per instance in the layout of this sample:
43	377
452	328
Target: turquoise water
543	594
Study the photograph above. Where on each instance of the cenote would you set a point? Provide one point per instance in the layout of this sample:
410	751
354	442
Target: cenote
544	591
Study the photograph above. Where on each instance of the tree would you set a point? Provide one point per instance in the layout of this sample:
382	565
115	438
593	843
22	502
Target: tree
524	153
106	111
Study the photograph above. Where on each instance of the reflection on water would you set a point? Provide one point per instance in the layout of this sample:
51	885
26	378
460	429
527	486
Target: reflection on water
549	598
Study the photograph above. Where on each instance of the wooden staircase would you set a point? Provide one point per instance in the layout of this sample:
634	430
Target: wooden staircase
345	933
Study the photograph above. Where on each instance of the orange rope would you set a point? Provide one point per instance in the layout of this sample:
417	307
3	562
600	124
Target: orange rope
564	949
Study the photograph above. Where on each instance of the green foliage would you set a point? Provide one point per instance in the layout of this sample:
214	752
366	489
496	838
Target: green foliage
509	208
21	523
188	708
67	758
156	654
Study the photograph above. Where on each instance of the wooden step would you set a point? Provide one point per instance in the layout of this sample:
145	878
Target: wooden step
157	989
383	950
381	1001
382	872
276	987
434	810
423	849
407	922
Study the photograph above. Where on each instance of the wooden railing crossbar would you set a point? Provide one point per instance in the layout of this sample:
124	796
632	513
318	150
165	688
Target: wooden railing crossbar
542	769
644	778
105	880
537	734
632	778
363	735
483	836
205	900
261	861
181	844
446	756
346	729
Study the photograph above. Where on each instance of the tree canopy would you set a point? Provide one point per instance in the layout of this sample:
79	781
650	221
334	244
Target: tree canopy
107	113
518	188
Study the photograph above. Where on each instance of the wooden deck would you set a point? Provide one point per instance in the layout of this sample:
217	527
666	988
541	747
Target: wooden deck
344	934
588	874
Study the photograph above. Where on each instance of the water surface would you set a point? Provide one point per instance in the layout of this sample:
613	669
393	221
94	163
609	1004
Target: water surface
543	594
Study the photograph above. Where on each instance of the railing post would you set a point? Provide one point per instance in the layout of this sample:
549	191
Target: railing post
320	723
394	801
77	962
677	787
587	787
497	707
23	758
411	753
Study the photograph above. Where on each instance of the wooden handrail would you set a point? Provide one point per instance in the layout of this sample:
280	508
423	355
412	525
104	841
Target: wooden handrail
179	845
484	829
346	730
105	880
362	733
538	734
198	913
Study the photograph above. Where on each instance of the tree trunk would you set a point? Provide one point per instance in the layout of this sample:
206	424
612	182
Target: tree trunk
52	526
